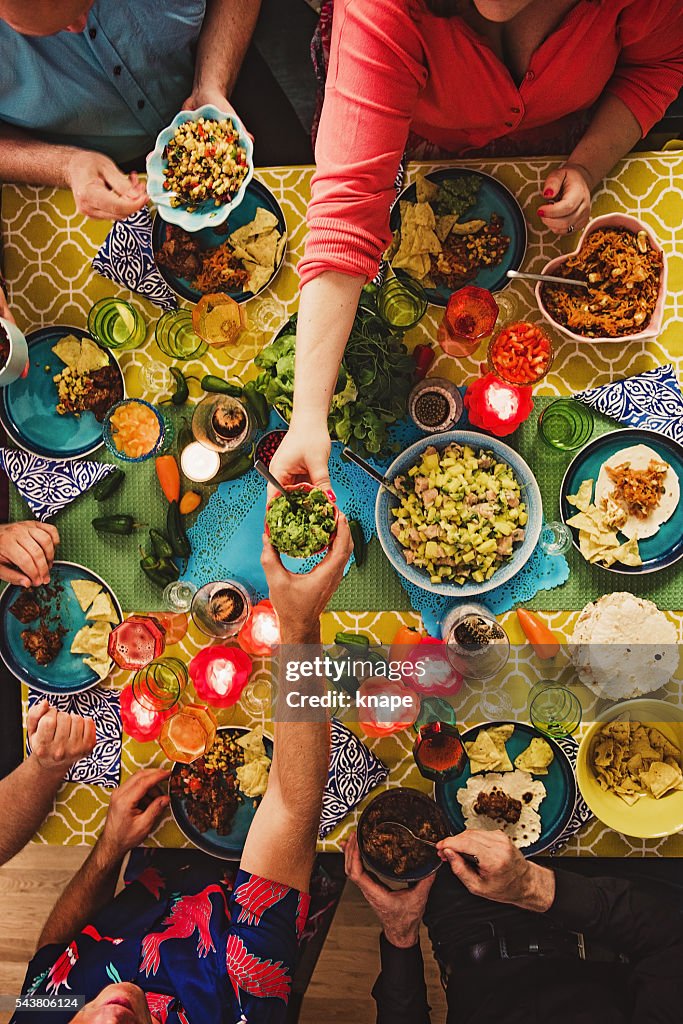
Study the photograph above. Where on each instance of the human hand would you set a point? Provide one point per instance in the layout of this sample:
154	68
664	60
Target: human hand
570	189
123	1003
300	598
58	739
5	311
202	95
303	457
27	551
399	912
502	873
100	189
135	809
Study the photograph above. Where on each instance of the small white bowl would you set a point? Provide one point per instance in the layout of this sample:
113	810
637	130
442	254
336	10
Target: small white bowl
207	214
18	353
610	220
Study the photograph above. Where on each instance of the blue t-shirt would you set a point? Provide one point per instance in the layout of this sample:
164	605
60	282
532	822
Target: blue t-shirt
112	87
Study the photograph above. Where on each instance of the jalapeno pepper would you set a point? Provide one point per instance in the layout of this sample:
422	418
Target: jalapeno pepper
179	541
160	544
352	640
161	571
122	525
257	404
182	388
360	545
219	386
109	485
238	467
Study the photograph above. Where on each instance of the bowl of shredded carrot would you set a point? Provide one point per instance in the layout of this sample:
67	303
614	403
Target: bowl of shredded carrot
625	269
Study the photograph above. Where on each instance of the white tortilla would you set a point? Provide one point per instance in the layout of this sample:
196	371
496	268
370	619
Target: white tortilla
523	832
639	457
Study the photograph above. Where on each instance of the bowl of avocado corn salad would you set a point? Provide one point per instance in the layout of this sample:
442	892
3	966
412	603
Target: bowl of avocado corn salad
467	517
303	523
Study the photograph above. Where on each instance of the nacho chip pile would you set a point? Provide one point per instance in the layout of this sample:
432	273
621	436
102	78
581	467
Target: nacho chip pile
598	541
635	761
259	245
93	641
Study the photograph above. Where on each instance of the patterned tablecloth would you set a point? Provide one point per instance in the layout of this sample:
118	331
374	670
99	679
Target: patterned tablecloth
48	249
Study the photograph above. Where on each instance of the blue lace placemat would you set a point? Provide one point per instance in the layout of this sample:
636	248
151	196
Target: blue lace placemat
226	538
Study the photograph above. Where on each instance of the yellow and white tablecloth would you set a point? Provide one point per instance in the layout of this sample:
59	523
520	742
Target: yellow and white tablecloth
48	249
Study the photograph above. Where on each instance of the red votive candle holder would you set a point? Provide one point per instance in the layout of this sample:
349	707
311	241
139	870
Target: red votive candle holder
261	632
219	674
140	722
470	315
496	406
385	706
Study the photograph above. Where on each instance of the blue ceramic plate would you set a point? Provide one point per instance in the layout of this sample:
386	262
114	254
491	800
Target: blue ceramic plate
557	808
68	673
666	547
256	195
230	846
28	407
206	212
531	495
493	197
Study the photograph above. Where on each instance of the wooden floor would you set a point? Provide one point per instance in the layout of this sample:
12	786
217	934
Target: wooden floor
339	991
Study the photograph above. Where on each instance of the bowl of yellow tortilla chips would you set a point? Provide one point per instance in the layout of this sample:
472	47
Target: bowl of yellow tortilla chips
630	768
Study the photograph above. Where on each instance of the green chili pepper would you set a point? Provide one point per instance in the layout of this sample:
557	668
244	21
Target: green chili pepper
258	406
160	544
238	467
122	525
182	389
109	484
161	571
360	545
179	541
220	387
352	640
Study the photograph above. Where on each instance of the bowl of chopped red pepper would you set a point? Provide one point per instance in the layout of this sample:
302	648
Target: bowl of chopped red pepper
521	353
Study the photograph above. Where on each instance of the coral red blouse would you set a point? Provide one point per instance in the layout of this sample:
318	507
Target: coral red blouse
395	67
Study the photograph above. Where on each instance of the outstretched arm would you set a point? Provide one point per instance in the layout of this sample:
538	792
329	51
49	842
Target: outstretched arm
57	741
223	42
282	838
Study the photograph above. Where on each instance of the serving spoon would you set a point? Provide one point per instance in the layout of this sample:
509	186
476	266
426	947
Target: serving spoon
260	467
469	858
371	471
573	282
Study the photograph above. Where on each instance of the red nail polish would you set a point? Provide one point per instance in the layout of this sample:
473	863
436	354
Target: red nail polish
331	495
548	193
541	213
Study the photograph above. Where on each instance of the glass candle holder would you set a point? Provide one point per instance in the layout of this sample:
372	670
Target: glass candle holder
257	698
176	337
565	425
554	710
116	324
159	685
138	721
189	734
435	405
138	640
261	632
470	315
556	538
155	377
477	645
222	423
178	596
219	674
439	752
220	609
199	463
401	303
496	406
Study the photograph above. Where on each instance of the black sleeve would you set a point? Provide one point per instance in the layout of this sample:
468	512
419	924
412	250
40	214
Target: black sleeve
637	922
400	991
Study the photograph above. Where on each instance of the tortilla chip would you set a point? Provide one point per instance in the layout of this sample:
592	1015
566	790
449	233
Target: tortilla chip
469	227
103	609
582	521
537	757
100	668
86	591
582	498
68	349
661	779
92	357
444	225
258	276
91	640
628	553
252	745
483	754
425	190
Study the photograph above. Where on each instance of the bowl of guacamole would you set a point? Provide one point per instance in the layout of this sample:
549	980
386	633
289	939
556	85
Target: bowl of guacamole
302	524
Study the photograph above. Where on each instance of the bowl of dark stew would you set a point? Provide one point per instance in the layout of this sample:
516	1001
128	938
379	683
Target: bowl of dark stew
391	853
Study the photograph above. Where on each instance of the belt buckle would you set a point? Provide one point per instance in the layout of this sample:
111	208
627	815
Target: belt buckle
580	945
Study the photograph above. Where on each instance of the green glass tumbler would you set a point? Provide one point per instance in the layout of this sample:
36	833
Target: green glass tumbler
116	325
565	425
554	710
401	303
176	337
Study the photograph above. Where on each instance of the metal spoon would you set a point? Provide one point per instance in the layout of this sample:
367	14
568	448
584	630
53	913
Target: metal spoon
573	282
267	475
469	858
371	471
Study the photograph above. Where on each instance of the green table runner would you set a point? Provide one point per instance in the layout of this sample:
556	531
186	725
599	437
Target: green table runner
373	588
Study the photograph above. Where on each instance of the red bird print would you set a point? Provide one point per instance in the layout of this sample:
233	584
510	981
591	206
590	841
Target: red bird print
189	914
262	978
61	969
256	896
152	880
159	1005
302	907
